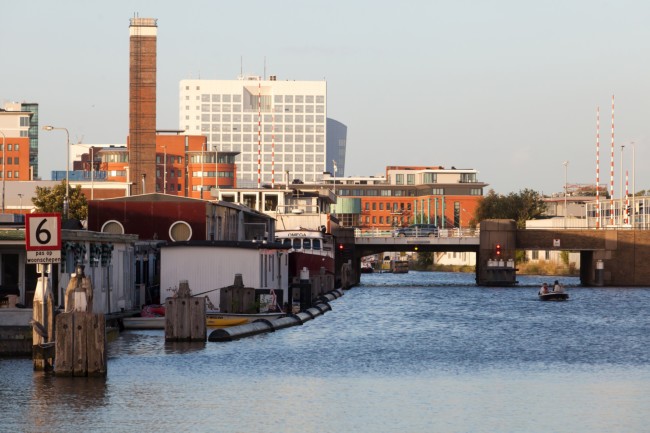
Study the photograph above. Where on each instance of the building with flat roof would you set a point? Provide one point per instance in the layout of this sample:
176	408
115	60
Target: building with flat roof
278	127
32	131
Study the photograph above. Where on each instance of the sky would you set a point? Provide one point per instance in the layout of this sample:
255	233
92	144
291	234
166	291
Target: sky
507	87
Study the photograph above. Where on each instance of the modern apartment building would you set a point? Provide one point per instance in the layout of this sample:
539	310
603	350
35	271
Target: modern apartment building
279	128
446	197
14	145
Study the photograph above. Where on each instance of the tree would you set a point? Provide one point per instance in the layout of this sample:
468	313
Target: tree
522	206
51	200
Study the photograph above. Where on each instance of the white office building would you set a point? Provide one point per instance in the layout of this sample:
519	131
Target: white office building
279	127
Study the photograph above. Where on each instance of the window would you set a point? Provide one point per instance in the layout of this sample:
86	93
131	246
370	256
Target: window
429	178
9	147
16	160
437	191
468	177
367	206
381	206
399	179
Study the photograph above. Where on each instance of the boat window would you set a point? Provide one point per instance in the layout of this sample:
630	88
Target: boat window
316	244
306	244
296	244
286	242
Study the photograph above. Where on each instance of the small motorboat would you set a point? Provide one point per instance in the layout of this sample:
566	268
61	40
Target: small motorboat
554	296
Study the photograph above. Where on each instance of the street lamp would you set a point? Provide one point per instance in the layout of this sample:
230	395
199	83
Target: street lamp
622	190
566	166
20	196
92	170
4	164
66	201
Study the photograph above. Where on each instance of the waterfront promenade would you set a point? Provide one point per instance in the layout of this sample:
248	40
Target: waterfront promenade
416	352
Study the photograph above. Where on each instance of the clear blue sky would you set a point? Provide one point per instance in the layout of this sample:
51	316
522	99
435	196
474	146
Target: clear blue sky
508	87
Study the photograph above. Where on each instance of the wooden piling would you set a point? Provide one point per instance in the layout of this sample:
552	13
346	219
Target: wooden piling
185	317
43	333
80	344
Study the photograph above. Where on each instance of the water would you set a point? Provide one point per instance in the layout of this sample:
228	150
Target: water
416	352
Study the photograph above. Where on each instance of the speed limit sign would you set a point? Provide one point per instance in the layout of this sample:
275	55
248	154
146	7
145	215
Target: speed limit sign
43	238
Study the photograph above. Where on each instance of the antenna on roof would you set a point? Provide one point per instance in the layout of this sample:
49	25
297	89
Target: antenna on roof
264	68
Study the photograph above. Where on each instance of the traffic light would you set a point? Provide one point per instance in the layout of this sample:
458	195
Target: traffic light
497	250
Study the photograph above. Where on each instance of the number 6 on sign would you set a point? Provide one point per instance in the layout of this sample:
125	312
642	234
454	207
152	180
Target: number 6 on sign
43	231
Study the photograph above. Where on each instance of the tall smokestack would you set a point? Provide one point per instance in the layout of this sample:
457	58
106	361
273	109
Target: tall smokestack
142	104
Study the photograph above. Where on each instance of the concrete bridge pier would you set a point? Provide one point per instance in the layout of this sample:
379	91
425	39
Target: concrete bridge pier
495	262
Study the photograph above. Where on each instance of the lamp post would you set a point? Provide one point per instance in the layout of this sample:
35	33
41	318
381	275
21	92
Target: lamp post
92	170
622	190
66	200
4	164
566	166
20	196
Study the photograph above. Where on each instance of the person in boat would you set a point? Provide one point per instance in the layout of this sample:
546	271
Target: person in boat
557	287
544	289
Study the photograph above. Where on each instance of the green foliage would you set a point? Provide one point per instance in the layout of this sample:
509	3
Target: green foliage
425	260
522	206
51	200
564	256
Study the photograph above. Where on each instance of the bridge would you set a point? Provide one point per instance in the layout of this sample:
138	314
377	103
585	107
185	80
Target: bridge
608	257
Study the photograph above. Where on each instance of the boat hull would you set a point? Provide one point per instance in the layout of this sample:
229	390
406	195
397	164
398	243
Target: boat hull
144	322
217	318
212	320
554	297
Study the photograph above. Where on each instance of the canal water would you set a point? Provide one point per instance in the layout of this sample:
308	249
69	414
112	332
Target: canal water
416	352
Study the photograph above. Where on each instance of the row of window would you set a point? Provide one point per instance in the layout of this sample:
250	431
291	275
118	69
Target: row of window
10	160
10	147
281	168
395	207
267	126
299	157
399	192
298	99
393	220
431	178
248	124
237	108
213	174
10	174
302	243
265	138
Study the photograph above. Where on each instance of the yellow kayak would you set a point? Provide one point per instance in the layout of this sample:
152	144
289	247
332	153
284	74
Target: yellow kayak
217	322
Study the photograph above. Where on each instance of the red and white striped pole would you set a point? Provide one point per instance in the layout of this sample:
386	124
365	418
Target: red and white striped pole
627	200
611	184
597	167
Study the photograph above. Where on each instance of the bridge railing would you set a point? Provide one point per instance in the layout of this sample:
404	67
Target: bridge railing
442	233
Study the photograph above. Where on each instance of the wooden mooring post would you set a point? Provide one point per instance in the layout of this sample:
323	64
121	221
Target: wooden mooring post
185	316
80	344
43	325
